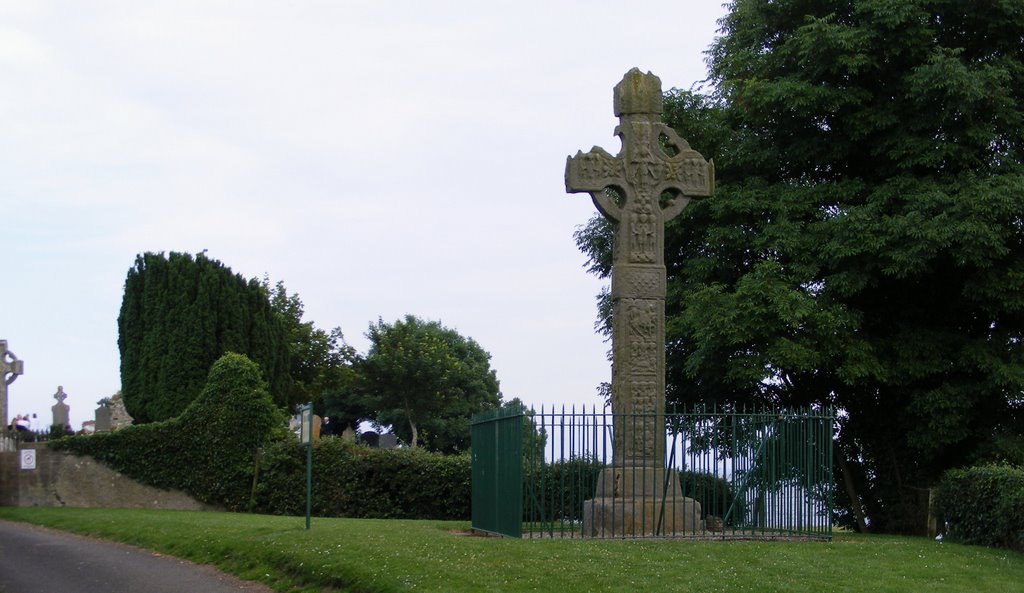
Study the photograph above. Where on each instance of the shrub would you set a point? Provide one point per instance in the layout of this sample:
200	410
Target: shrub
281	480
558	490
209	450
715	495
983	505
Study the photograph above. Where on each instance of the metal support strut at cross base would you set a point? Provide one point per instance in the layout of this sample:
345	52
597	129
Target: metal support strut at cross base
653	178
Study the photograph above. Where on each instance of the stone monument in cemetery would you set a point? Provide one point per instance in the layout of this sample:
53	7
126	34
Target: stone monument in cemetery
10	368
648	183
60	409
103	416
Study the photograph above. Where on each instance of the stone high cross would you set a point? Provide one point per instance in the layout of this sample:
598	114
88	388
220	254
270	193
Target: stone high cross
10	368
654	176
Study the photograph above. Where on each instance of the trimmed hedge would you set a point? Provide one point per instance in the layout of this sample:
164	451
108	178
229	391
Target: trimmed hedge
233	429
355	481
208	451
984	505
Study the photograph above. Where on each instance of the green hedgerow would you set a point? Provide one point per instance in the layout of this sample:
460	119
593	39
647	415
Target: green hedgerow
355	481
984	505
209	450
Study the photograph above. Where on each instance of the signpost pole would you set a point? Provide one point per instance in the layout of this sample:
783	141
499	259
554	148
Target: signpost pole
307	439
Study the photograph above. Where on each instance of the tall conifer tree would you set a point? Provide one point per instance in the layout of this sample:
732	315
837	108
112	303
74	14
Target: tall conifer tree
178	316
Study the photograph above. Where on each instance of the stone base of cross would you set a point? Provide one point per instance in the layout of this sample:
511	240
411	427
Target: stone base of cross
638	502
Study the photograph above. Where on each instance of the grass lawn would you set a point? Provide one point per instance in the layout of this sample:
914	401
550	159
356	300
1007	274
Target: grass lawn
371	556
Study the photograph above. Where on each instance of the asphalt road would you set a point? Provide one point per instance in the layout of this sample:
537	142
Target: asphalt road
38	560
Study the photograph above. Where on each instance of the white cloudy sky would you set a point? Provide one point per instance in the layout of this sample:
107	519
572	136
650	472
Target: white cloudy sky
378	157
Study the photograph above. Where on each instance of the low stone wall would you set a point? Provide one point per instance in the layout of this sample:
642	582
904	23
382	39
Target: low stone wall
62	479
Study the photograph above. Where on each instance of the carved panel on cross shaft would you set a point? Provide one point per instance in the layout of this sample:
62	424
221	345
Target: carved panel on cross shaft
644	356
645	397
645	169
643	323
642	239
638	282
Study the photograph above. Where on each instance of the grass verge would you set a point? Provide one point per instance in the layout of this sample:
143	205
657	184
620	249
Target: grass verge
376	556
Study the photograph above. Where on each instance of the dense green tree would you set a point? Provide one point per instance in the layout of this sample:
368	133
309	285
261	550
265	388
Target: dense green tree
865	246
320	362
348	405
426	380
179	314
535	435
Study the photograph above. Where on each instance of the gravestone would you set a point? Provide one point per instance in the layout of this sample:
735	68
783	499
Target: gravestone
647	184
388	440
60	409
103	418
10	368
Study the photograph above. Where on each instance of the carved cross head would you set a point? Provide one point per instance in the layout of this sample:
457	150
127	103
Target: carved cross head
652	178
10	366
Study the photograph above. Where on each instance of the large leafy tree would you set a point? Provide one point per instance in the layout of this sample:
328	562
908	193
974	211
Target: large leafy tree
180	314
426	380
865	246
320	362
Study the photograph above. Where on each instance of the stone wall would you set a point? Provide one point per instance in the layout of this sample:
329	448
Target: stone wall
62	479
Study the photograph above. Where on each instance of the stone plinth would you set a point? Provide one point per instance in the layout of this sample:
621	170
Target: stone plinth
637	502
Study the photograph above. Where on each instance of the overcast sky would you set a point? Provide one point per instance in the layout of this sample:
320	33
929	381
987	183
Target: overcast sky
379	157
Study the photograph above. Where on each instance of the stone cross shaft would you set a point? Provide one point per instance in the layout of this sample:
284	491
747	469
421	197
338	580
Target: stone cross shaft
10	368
651	180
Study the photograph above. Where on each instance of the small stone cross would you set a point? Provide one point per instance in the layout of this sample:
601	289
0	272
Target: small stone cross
10	368
60	396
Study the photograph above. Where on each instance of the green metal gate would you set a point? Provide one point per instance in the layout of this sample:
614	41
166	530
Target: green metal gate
497	471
